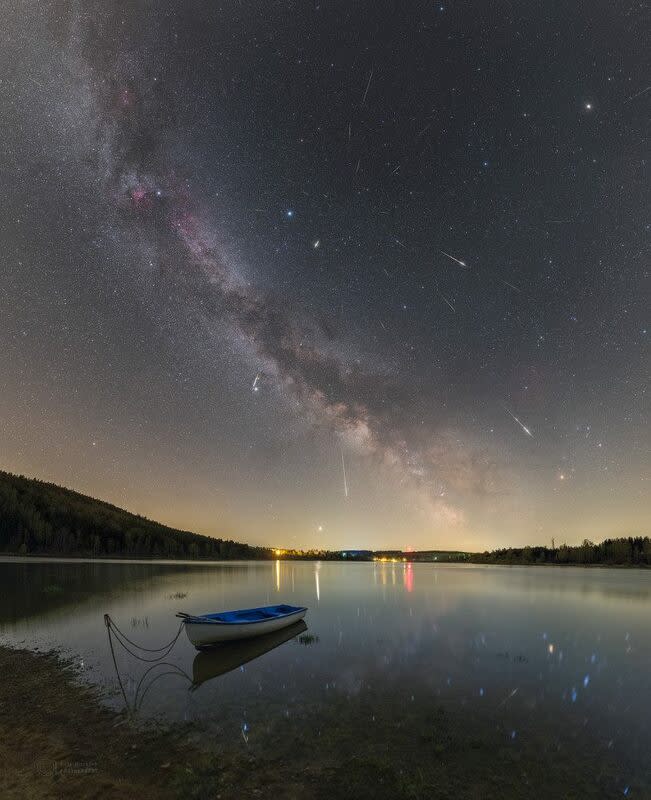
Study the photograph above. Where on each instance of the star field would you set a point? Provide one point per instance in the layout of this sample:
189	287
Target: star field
313	275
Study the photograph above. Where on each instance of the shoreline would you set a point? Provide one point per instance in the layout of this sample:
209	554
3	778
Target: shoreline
115	559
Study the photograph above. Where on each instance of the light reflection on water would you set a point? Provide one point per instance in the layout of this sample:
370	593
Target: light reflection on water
529	649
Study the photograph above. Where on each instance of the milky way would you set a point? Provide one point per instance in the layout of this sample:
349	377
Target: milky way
332	392
266	259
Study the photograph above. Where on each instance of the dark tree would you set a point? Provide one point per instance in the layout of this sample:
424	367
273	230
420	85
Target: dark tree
41	518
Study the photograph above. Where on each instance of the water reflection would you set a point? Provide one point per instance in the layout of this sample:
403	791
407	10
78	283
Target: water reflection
210	664
557	653
153	674
409	577
32	587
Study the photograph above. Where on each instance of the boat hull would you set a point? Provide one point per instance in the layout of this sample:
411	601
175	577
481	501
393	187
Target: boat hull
207	634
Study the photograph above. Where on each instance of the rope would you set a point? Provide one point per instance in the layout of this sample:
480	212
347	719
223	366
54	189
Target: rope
175	670
110	624
163	651
162	654
115	663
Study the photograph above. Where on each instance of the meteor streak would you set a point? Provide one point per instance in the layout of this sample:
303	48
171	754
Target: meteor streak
456	260
510	284
644	91
445	299
370	78
524	427
343	469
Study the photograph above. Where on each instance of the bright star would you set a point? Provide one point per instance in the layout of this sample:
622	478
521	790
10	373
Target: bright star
588	106
290	213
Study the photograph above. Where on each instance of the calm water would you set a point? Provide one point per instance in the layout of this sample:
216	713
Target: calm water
531	659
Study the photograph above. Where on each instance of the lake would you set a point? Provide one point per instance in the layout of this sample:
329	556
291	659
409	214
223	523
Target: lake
452	676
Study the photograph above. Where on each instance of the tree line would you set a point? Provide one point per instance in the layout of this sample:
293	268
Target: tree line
44	519
630	551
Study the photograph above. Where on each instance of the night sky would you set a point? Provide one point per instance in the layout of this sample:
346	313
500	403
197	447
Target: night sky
327	273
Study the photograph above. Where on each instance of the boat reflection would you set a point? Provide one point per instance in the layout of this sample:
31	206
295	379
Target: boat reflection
208	664
219	660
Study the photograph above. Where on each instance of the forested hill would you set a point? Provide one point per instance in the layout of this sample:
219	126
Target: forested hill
42	518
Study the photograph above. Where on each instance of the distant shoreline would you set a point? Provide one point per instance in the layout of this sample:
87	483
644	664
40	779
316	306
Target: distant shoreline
117	559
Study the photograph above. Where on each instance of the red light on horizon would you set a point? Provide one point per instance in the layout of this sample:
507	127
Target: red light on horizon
409	576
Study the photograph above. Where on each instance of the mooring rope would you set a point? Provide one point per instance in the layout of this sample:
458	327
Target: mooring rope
163	652
174	670
112	626
115	663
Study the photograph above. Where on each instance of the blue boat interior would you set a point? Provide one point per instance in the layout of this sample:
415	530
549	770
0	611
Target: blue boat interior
253	614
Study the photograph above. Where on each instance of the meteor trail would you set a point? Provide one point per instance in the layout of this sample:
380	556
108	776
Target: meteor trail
255	386
524	427
445	299
452	258
343	469
644	91
510	284
370	78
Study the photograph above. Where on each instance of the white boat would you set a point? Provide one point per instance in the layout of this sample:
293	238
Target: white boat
205	630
